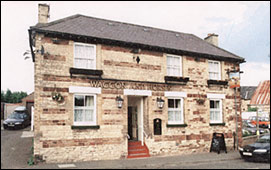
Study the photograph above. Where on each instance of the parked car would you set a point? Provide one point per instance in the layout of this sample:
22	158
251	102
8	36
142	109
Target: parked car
258	151
264	122
251	128
18	119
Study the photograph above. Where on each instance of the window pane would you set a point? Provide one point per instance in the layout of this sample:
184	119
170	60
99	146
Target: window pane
78	115
176	71
212	115
178	103
212	104
89	101
177	61
169	61
79	100
178	115
170	116
170	103
88	115
216	104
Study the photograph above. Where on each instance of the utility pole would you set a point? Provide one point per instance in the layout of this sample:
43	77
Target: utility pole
257	119
234	83
236	118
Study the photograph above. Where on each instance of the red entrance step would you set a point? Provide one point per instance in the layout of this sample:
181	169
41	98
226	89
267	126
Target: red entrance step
136	150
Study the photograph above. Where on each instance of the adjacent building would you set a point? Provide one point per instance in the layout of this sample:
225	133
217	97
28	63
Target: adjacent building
246	94
104	88
261	97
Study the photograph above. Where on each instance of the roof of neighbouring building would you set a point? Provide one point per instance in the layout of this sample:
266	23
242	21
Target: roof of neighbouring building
247	92
28	98
261	95
81	25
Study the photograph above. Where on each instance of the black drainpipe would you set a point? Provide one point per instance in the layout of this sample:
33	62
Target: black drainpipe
31	44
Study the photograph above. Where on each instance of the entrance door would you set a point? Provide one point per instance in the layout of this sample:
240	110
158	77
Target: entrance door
130	122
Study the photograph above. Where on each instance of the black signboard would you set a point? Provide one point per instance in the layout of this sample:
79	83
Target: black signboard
218	143
157	127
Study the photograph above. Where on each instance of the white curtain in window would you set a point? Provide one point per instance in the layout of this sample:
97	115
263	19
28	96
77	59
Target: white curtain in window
173	66
175	115
84	56
84	109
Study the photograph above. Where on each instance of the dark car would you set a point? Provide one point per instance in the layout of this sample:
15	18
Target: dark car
18	119
258	151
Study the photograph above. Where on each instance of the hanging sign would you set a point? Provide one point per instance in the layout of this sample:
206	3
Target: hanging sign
234	79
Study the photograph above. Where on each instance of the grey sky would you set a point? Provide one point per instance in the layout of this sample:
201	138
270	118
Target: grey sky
243	28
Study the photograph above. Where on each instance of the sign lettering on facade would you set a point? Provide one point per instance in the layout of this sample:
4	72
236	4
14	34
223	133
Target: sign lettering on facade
106	84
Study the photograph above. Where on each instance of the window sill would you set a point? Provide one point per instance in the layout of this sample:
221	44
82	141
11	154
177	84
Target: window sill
217	82
85	127
170	79
176	125
217	124
86	72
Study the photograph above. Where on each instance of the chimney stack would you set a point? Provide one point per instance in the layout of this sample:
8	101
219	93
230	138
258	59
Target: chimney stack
43	13
212	39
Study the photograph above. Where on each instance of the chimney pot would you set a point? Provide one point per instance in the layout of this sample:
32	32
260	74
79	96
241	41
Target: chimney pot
212	39
43	13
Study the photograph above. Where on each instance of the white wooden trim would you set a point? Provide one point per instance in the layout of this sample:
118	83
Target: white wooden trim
175	94
89	45
85	90
137	92
182	113
181	63
221	111
90	123
219	68
215	96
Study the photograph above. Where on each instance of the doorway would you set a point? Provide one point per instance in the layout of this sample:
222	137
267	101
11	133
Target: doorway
135	118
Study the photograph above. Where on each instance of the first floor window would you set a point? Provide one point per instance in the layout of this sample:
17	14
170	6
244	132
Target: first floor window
84	109
84	56
216	111
174	65
214	70
175	111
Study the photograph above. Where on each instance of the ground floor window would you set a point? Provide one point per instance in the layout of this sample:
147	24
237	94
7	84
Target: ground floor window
216	111
84	109
175	111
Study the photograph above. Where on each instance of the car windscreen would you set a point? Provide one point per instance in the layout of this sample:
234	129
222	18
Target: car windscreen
16	115
264	139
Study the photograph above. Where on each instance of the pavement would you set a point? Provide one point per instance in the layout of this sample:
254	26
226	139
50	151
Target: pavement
146	163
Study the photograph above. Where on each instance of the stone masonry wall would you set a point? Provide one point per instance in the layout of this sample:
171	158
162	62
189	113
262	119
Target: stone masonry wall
56	141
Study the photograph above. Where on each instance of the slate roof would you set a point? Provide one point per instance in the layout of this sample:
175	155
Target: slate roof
261	95
112	30
247	92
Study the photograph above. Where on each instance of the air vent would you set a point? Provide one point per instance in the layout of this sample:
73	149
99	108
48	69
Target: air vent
110	23
177	35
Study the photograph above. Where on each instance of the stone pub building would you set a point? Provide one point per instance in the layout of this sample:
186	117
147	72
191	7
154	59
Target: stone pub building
113	90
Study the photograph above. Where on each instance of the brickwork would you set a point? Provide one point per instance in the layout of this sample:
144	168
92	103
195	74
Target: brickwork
56	141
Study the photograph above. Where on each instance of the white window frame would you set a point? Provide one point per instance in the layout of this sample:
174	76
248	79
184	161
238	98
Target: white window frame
180	122
90	123
181	65
88	45
220	110
219	69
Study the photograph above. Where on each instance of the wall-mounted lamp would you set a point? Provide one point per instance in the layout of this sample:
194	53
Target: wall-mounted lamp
160	102
119	101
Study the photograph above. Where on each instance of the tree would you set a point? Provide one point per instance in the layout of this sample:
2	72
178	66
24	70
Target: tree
8	96
12	97
2	96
